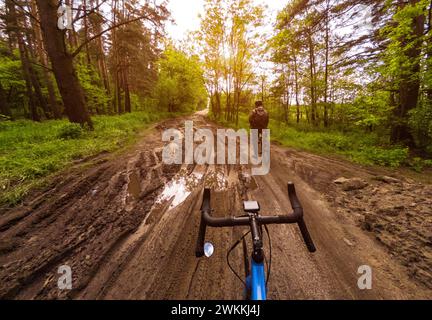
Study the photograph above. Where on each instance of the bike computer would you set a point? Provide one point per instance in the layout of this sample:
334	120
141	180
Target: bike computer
251	206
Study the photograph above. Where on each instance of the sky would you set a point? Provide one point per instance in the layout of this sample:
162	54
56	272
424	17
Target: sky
185	13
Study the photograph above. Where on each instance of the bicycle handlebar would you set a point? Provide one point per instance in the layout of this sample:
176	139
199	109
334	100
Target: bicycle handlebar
295	217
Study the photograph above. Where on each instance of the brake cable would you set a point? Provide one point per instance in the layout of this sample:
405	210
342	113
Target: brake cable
269	263
229	253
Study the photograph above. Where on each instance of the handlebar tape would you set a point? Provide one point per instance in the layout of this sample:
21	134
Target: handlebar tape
298	210
306	236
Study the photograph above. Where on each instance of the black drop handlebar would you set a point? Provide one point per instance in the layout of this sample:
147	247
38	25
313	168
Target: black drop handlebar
295	217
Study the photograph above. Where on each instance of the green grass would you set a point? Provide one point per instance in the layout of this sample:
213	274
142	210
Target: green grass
356	146
30	151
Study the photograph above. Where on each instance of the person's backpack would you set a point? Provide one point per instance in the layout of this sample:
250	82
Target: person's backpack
259	118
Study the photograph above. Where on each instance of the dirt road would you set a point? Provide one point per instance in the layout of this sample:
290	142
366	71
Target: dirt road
127	226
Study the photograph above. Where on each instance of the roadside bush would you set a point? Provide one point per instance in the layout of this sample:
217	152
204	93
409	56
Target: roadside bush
358	146
418	164
70	131
421	126
394	157
331	141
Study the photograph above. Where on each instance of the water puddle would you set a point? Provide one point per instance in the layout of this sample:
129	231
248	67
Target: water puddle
179	189
134	187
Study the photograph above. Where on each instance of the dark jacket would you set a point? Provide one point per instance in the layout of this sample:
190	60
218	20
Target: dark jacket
259	118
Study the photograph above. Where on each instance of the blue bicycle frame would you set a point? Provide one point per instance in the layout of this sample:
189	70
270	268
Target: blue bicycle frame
258	282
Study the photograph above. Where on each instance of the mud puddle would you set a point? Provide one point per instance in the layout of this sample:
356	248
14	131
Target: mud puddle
179	189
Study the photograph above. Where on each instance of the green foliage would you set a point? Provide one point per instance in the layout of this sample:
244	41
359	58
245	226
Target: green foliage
70	131
406	62
369	149
357	146
136	48
30	151
397	61
11	79
360	147
180	87
421	124
370	109
10	71
390	157
97	99
372	81
419	164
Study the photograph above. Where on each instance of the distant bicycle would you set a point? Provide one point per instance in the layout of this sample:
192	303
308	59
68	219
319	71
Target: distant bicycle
255	281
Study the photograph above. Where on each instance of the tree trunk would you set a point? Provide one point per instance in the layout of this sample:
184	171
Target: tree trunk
31	56
409	88
72	38
37	87
85	22
312	80
128	107
326	76
13	24
237	95
101	53
218	103
55	108
119	93
286	106
429	53
4	105
62	64
296	89
228	107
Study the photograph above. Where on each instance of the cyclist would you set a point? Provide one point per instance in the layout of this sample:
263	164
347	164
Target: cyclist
259	120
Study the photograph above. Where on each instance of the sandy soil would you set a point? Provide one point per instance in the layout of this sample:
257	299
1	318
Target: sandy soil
127	226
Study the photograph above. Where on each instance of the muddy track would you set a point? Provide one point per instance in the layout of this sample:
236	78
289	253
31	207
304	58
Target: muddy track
128	225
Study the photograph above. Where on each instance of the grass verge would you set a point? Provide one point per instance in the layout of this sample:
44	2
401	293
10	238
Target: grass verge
356	146
31	151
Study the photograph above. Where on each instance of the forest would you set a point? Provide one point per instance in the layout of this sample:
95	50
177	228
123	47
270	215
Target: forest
341	71
105	63
342	77
78	78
